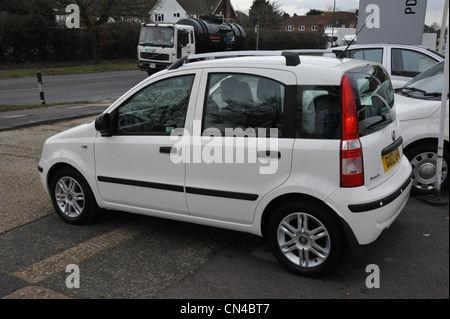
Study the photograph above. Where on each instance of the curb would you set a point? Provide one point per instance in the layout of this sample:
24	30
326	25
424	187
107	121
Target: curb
12	120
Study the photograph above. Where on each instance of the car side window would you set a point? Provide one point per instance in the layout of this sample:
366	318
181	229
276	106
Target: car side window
157	109
410	63
319	112
373	55
243	101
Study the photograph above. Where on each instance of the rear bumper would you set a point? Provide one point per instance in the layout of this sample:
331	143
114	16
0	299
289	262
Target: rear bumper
360	208
369	212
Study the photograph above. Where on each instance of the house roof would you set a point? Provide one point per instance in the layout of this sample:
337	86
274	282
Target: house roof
325	18
199	6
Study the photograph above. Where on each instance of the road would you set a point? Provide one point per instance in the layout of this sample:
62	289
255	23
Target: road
124	256
95	87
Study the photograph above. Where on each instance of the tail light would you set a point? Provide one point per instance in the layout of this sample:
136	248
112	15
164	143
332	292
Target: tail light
352	166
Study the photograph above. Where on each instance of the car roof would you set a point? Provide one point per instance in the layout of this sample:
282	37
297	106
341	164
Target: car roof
385	44
318	70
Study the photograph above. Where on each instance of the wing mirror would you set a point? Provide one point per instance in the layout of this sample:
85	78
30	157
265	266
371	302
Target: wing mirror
103	124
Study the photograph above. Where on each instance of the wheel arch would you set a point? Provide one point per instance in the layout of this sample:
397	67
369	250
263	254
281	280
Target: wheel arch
358	255
270	208
426	141
55	168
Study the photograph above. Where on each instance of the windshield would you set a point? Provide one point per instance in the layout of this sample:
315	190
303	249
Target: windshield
156	36
427	84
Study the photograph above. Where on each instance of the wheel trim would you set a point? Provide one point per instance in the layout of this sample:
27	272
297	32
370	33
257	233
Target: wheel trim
424	170
69	197
303	240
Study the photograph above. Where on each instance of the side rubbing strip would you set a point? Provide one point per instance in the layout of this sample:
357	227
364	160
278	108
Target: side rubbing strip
177	188
225	194
113	180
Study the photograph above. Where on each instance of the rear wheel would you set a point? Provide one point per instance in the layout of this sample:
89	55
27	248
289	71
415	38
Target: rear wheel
306	238
72	197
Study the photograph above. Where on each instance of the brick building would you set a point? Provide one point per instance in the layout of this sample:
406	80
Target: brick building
318	23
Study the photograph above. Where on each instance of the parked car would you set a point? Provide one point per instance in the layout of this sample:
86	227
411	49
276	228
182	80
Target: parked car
403	62
419	112
306	153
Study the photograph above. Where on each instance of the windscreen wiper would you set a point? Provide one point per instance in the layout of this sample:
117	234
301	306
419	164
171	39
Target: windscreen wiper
432	94
413	89
425	93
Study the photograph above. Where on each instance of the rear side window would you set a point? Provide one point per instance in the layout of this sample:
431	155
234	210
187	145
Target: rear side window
374	96
319	112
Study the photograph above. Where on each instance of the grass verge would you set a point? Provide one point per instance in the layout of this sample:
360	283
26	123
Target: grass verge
19	71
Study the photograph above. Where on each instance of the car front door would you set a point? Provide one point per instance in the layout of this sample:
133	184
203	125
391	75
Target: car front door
407	63
133	166
241	148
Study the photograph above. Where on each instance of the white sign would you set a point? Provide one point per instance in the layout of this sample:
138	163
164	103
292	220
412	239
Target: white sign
393	21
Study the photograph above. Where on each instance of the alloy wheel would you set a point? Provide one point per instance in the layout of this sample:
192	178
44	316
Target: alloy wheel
69	197
303	240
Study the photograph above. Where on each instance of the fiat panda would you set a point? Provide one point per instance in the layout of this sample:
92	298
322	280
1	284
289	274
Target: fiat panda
304	151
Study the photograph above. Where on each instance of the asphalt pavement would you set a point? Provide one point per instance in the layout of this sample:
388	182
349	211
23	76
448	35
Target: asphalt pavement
212	263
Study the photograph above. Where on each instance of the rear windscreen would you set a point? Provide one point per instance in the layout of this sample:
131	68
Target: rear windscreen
374	98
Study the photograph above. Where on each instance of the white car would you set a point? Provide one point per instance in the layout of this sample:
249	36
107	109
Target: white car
304	151
403	62
419	111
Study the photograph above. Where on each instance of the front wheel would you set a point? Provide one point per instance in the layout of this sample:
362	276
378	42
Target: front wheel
423	158
72	197
306	238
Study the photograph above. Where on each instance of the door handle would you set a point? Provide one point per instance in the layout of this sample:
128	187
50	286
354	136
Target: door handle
166	149
269	154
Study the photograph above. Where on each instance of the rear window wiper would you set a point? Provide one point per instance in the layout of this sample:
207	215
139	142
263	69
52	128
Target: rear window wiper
377	123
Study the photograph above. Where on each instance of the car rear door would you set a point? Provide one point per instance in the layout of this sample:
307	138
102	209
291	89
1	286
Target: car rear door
406	63
240	150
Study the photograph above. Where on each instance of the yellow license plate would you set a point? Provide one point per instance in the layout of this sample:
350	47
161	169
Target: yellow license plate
389	160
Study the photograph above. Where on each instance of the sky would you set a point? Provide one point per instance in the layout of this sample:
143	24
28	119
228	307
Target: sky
300	7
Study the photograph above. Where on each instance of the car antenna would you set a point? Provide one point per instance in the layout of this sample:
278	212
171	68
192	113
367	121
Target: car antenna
340	53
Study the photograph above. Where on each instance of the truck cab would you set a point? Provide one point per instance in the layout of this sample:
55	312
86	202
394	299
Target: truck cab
162	44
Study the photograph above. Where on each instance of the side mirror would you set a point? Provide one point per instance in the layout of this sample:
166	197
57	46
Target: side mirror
103	124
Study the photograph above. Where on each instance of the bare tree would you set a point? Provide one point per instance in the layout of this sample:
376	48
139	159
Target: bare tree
96	13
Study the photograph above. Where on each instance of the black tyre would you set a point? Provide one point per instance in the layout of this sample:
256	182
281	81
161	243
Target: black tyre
423	158
307	238
72	197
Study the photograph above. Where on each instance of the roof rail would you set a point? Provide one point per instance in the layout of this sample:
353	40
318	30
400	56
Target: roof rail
292	58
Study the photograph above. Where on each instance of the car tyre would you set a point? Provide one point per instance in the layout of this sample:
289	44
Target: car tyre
306	238
423	158
72	198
